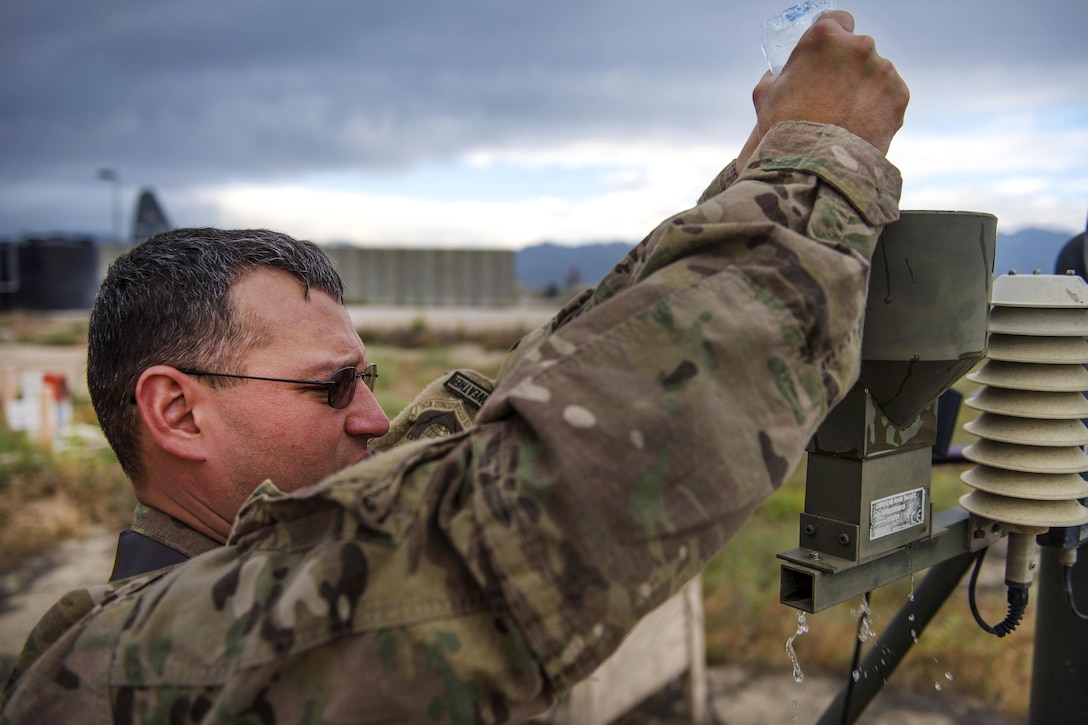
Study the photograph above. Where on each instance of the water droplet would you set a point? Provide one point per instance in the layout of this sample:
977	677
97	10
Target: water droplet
910	568
937	686
865	623
856	674
910	617
948	676
914	635
802	628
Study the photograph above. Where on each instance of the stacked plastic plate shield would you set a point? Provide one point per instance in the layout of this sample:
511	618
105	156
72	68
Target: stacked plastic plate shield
1030	451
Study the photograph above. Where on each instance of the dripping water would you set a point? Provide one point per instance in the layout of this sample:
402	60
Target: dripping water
865	621
910	570
802	628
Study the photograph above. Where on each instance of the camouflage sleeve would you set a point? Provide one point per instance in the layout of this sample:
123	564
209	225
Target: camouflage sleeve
721	182
445	407
633	436
474	577
68	610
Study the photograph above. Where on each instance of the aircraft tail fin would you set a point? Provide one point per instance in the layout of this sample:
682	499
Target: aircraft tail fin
150	218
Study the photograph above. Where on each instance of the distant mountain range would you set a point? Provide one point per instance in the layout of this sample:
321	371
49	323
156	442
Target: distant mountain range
557	266
1028	250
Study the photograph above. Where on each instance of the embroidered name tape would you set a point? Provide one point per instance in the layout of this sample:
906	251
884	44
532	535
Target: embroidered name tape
467	390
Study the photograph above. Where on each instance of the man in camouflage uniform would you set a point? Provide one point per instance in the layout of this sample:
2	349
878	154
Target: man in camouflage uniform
474	578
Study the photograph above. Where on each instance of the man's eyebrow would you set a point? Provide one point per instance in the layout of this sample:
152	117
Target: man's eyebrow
323	371
318	372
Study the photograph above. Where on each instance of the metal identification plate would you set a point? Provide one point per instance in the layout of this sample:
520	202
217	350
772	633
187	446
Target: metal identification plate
897	513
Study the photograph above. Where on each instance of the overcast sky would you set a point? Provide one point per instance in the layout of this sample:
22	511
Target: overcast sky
497	122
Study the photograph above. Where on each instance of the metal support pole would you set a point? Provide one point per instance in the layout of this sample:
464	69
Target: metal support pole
901	634
114	178
1059	668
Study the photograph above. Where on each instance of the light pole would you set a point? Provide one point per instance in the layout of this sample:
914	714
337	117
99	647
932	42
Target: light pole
112	176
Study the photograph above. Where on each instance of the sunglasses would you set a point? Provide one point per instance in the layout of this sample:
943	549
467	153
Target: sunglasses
341	387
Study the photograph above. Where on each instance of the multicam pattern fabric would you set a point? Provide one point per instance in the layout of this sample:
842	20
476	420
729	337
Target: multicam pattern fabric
165	529
476	576
156	540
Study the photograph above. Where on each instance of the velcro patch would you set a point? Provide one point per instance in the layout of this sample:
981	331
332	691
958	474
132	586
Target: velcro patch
467	390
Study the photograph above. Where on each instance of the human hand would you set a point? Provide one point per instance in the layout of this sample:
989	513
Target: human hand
833	77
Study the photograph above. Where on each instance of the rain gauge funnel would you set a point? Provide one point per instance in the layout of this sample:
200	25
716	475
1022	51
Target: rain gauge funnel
869	464
925	319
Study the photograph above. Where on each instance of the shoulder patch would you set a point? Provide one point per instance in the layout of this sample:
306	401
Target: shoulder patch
465	389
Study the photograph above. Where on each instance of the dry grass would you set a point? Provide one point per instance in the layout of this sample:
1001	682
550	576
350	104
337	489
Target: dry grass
39	525
420	335
44	328
49	495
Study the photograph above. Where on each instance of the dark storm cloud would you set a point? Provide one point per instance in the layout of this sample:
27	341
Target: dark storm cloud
179	93
213	89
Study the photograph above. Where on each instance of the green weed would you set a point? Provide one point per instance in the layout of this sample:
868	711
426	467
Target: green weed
48	495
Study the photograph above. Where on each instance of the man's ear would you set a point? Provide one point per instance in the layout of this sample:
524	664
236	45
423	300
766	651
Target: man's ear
168	402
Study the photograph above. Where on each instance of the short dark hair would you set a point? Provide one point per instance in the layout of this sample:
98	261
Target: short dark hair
166	302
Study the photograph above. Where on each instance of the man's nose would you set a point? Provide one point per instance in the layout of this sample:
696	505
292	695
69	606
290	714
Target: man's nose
366	416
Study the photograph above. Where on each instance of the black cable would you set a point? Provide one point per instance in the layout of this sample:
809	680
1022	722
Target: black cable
1017	598
1067	580
856	662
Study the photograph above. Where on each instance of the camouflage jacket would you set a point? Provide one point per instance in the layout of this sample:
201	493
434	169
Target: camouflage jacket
475	577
